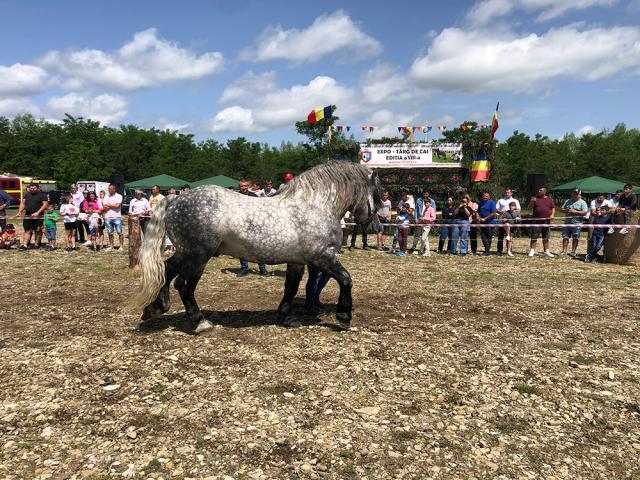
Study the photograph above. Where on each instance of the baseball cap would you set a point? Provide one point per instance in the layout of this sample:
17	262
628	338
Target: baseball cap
288	176
578	191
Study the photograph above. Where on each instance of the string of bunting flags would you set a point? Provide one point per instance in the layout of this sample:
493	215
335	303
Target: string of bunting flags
406	128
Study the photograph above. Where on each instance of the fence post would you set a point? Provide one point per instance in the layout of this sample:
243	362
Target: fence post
135	240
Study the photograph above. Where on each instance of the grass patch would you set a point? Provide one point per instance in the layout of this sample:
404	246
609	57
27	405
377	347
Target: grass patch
453	399
348	454
280	388
348	472
535	461
158	388
403	435
511	424
582	360
153	466
526	389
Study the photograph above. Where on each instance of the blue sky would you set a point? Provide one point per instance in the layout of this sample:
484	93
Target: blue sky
221	70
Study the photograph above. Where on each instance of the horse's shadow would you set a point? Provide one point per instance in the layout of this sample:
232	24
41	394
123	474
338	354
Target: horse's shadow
236	271
239	319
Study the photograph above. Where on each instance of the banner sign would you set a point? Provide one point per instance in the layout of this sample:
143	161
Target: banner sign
412	155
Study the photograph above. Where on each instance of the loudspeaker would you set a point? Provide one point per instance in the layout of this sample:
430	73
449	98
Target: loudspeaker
534	182
118	180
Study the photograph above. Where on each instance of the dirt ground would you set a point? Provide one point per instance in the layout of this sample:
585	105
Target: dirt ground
454	368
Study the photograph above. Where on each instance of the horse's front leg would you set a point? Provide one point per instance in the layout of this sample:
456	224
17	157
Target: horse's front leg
292	282
332	267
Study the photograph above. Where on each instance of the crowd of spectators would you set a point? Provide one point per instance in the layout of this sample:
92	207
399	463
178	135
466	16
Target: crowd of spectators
85	216
461	222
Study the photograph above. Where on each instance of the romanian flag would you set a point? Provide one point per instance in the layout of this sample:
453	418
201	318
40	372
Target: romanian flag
494	122
318	114
480	168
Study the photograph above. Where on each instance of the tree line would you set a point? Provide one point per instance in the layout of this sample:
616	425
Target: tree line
79	148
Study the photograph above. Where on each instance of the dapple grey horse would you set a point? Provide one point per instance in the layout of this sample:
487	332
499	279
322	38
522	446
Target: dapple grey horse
298	226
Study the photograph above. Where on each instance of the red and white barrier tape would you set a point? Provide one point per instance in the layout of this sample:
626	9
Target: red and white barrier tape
512	225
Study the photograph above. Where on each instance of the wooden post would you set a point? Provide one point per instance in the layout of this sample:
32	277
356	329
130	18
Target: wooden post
623	249
135	240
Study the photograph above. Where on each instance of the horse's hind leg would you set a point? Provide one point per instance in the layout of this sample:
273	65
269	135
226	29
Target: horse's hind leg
162	302
334	268
186	284
292	282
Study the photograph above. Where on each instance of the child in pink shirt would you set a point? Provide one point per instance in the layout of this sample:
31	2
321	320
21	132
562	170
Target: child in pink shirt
428	219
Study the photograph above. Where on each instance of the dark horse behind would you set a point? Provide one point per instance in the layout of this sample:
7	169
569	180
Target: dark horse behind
298	226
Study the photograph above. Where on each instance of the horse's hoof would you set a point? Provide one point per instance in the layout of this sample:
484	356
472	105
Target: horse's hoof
150	313
291	322
345	319
204	325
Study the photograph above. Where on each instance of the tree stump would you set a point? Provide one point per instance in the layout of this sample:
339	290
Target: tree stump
623	249
135	240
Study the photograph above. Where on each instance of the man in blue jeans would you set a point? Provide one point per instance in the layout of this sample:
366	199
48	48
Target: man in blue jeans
244	265
461	213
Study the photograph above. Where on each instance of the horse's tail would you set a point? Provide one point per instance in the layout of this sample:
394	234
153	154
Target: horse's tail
151	263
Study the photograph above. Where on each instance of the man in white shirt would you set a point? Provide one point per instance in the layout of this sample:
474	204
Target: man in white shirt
140	209
111	205
77	198
614	201
502	206
595	204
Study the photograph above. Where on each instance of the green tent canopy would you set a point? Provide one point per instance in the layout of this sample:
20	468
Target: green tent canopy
165	182
220	180
593	185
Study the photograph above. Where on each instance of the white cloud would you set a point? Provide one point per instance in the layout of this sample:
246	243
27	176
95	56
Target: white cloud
329	34
248	86
383	84
10	107
283	107
173	126
234	119
486	10
146	61
474	61
585	130
19	80
107	109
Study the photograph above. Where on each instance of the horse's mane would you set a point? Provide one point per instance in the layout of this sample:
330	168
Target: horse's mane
349	183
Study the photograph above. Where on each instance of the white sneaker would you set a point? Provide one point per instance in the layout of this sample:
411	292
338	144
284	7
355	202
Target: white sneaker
509	254
624	231
610	231
108	249
547	253
87	243
426	254
415	252
532	253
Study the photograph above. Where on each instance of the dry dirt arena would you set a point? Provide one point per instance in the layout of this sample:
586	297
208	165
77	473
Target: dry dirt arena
454	368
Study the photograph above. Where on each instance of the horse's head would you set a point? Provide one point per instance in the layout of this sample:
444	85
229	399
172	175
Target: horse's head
364	214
